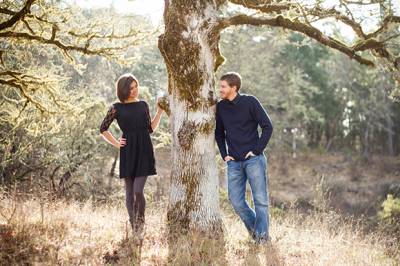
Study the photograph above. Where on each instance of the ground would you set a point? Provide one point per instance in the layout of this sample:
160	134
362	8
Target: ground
35	230
72	233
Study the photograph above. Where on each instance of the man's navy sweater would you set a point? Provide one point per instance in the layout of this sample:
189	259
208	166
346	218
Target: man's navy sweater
237	122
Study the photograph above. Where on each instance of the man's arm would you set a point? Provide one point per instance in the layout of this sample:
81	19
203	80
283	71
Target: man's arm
261	116
220	135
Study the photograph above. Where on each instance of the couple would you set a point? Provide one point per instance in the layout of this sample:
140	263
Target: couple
237	119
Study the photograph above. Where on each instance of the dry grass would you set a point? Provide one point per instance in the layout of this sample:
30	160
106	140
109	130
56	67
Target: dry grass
37	232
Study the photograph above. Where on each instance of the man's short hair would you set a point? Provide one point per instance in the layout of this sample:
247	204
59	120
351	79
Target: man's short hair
233	79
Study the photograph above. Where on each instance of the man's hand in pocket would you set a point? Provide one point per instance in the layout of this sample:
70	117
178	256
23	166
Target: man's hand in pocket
250	153
228	158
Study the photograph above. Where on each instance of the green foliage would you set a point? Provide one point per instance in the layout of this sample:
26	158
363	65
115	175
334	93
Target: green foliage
391	209
389	216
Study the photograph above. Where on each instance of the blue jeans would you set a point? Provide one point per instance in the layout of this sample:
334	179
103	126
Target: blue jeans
253	169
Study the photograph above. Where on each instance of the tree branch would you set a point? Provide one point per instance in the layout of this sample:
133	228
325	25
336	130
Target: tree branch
29	98
16	16
310	31
385	23
299	21
28	84
62	29
65	47
266	7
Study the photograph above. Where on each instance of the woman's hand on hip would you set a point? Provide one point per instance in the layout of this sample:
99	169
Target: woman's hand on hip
121	143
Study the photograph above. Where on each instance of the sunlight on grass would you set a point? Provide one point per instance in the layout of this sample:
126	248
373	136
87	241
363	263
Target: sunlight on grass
76	233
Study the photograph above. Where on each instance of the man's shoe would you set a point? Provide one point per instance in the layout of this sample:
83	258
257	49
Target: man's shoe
264	240
252	234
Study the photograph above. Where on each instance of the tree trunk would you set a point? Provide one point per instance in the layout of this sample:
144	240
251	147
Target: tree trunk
294	149
189	48
366	141
111	175
390	133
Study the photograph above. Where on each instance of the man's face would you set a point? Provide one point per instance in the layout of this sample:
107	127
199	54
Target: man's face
225	90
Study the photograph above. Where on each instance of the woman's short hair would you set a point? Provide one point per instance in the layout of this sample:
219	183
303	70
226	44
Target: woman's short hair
123	86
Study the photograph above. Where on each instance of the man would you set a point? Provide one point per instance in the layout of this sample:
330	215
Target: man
237	119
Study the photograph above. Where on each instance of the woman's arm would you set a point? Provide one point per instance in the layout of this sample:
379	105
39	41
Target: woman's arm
105	124
157	117
107	136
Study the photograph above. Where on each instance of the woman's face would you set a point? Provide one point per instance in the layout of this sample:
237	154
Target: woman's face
134	90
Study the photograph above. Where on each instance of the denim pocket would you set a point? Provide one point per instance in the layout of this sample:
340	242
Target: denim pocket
252	157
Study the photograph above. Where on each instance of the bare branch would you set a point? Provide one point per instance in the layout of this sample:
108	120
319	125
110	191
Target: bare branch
61	28
317	11
59	44
40	28
310	31
17	16
27	84
303	12
371	2
7	11
385	23
298	18
28	97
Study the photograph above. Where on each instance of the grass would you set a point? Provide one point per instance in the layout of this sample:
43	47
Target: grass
35	231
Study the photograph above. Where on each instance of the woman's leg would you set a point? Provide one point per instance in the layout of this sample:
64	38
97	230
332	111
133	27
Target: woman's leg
140	201
129	199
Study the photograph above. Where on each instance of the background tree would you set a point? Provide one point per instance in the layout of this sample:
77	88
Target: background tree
56	60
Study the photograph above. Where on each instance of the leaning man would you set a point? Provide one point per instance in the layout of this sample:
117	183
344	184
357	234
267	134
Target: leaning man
237	119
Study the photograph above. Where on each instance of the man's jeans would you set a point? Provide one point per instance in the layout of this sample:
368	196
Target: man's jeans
253	169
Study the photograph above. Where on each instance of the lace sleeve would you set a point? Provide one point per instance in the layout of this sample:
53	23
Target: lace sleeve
148	118
108	119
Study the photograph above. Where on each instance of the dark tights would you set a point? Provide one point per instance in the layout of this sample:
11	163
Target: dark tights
135	200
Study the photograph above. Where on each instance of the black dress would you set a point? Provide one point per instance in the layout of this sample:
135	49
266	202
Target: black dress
137	156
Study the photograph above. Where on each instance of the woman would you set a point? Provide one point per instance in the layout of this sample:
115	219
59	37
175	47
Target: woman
135	147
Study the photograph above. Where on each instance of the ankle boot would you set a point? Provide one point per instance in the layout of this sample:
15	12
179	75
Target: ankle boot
140	222
133	223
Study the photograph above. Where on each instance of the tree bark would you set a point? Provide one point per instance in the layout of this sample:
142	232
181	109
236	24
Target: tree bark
189	47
